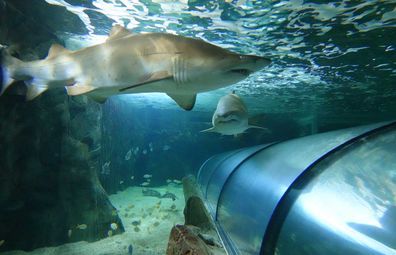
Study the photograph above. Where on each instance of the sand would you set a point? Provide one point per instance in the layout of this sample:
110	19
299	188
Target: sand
147	222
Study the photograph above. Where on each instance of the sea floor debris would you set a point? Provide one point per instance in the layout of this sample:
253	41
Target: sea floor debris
153	229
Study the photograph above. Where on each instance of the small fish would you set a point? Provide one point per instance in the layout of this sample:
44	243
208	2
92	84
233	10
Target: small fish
132	177
136	222
106	168
121	182
169	195
168	181
151	193
82	226
144	151
2	242
109	233
145	184
114	226
69	233
130	249
128	155
177	181
165	147
147	176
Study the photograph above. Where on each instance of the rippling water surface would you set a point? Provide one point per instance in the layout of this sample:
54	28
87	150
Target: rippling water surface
332	60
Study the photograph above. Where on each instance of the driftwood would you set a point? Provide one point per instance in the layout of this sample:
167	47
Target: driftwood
195	212
198	236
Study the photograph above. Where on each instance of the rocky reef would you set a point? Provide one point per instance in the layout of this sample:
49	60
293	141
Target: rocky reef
49	148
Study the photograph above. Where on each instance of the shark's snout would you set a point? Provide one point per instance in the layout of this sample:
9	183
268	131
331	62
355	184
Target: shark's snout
249	64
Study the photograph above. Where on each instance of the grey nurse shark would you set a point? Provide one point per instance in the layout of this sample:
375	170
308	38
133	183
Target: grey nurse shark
231	116
127	63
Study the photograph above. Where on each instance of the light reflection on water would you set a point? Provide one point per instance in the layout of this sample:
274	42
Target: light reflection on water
319	50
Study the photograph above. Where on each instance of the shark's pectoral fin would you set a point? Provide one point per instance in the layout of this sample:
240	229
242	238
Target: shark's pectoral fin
35	87
56	49
117	32
78	89
212	129
264	129
99	99
186	102
151	77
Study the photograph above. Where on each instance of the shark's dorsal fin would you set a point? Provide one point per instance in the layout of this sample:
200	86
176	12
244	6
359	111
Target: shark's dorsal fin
118	31
78	89
186	102
56	49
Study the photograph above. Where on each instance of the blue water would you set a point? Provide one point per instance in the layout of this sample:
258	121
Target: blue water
333	66
332	60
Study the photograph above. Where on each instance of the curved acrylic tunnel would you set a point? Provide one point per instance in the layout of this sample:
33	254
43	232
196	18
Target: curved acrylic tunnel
331	193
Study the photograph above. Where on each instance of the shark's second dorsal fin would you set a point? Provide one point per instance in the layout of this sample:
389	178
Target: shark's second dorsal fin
118	31
55	50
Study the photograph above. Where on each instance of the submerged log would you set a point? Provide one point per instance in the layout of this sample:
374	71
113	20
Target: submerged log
195	212
198	236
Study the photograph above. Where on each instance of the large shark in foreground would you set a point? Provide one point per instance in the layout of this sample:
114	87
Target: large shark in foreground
231	116
134	63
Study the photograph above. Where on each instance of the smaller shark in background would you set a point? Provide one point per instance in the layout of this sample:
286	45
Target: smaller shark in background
127	63
231	116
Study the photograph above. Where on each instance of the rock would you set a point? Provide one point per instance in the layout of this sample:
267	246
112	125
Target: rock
184	239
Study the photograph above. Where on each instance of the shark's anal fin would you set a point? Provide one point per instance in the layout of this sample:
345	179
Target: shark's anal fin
212	129
118	31
78	89
151	77
186	102
34	88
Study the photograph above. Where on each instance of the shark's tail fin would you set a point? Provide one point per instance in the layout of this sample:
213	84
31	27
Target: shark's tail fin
7	66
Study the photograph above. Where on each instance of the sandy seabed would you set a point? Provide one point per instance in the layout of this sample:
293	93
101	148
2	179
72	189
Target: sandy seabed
147	221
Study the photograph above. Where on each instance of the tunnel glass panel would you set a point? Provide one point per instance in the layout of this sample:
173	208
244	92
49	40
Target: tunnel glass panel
223	170
254	189
350	207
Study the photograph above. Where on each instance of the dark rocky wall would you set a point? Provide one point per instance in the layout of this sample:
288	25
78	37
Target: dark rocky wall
49	154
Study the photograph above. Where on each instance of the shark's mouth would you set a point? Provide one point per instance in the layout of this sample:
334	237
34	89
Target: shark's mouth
228	121
242	71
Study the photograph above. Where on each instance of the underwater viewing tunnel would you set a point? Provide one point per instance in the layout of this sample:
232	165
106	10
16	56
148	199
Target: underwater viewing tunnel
330	193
